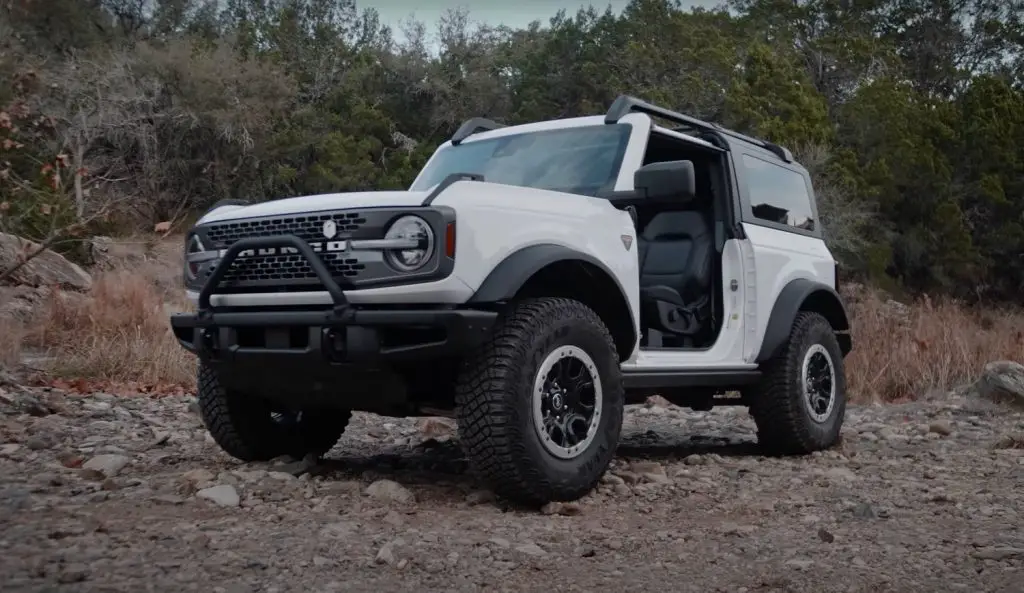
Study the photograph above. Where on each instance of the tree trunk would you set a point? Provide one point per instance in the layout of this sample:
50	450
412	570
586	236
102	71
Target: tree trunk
79	165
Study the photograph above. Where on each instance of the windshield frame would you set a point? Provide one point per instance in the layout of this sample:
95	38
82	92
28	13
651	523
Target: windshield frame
628	161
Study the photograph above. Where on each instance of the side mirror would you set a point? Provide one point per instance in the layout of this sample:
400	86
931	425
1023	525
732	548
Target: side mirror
669	179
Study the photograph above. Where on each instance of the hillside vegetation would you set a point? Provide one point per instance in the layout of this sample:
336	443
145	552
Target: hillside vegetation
116	115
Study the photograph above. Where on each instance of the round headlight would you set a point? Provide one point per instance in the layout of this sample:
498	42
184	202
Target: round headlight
192	266
198	259
416	231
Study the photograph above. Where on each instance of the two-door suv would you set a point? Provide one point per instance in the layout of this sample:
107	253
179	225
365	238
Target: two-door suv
532	281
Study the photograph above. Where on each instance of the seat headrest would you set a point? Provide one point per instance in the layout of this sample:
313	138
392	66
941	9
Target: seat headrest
679	223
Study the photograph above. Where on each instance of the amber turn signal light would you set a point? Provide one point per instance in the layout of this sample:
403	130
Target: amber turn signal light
449	240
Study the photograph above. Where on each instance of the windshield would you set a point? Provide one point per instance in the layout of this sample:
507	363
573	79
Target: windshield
582	160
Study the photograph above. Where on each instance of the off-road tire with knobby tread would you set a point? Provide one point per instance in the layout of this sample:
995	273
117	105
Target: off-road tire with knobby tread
244	428
493	399
784	426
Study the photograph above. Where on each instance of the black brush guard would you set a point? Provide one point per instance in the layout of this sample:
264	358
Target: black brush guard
341	333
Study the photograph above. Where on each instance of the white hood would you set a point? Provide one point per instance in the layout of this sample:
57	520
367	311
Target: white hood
367	199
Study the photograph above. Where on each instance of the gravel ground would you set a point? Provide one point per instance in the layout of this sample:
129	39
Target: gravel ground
101	493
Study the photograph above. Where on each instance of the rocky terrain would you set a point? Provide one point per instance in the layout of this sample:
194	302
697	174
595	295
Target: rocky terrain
106	493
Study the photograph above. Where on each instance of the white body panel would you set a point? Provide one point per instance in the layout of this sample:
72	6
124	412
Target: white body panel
778	258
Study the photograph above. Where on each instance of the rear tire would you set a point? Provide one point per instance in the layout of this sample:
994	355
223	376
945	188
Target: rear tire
540	406
251	429
800	404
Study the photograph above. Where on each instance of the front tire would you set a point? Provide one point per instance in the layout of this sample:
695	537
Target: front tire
251	429
800	403
540	407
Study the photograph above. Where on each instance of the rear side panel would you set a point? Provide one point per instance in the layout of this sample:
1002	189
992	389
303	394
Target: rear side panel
778	217
779	258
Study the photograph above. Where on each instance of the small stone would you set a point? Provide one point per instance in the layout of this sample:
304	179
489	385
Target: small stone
223	495
651	471
739	530
297	468
694	460
38	443
339	530
393	518
864	511
841	473
199	476
108	465
629	477
452	560
390	491
531	549
501	542
561	508
826	536
73	573
70	459
385	555
440	429
479	497
611	479
941	427
93	475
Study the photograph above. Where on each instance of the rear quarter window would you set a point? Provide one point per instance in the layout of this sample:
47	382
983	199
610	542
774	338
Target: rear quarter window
778	195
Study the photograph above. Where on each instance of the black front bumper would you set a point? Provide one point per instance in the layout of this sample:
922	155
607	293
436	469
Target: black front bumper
351	335
340	334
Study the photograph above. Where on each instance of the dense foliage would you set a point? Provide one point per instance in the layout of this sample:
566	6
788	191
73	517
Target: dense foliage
910	113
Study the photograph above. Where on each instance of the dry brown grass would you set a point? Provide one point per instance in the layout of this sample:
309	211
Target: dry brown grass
902	353
120	332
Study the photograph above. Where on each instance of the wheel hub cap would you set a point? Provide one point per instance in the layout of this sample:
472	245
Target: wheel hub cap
567	399
819	384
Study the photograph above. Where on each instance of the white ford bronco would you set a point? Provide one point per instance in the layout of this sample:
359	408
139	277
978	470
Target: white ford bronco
532	281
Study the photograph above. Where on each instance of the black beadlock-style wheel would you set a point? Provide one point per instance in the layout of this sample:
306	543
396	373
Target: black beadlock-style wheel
540	406
252	429
800	403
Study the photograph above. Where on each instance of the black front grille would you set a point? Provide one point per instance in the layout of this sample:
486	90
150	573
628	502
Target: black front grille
287	270
288	267
308	227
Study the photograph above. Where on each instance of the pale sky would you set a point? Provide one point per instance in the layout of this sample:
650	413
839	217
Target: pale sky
514	13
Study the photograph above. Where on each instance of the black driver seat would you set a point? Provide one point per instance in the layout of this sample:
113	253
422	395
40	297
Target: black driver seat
675	251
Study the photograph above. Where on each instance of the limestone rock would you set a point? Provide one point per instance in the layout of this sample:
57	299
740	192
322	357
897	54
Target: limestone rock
46	269
1002	382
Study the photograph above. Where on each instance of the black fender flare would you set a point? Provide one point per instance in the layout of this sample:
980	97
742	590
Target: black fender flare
505	280
808	295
